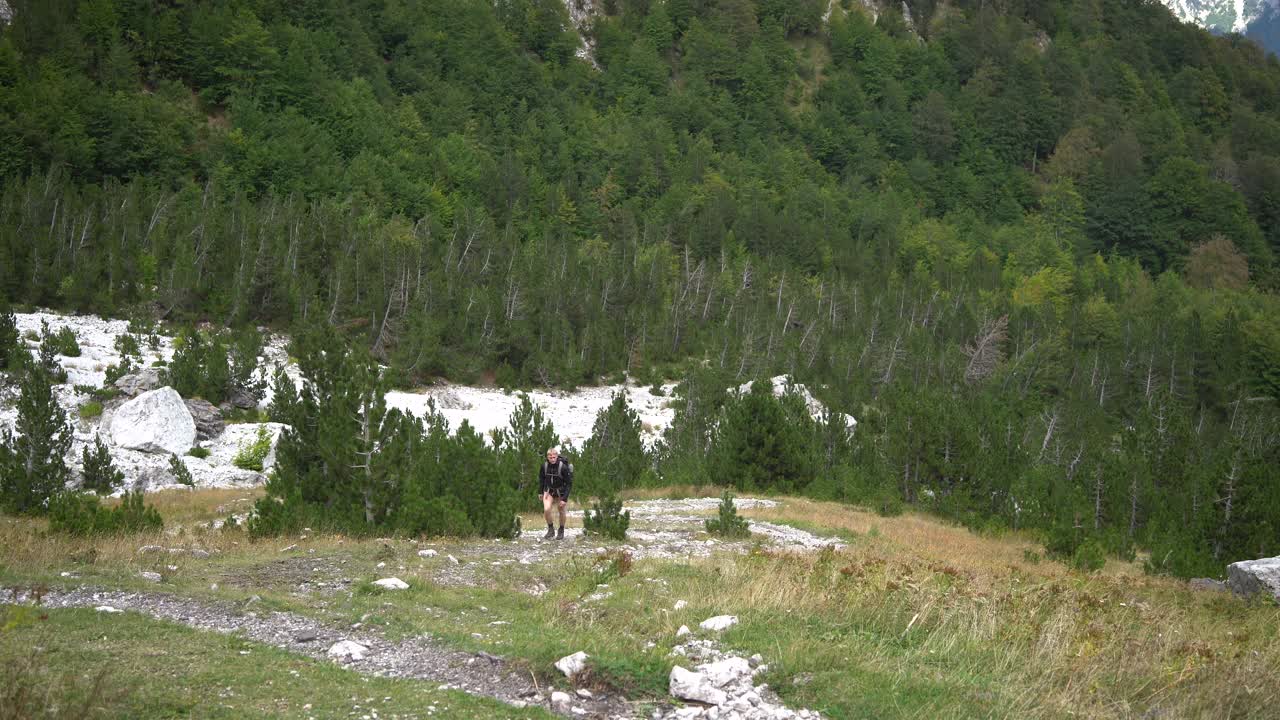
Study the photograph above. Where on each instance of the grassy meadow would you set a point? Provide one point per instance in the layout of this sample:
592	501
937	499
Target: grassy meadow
915	618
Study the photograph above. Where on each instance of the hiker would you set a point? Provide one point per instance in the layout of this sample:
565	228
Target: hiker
554	480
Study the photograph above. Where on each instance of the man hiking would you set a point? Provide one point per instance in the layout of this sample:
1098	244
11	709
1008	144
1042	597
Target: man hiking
555	478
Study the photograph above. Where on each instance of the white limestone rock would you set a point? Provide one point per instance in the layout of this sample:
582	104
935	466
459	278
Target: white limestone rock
348	650
573	664
689	685
156	422
392	583
719	623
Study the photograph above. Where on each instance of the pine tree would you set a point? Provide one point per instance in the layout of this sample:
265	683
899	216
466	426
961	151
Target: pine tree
520	448
764	443
607	518
728	524
33	467
10	342
614	457
99	472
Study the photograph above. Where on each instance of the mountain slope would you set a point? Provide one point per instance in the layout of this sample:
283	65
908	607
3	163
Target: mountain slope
1259	20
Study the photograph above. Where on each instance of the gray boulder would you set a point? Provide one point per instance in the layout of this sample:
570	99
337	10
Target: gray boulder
207	417
135	384
1250	577
154	422
1207	584
239	398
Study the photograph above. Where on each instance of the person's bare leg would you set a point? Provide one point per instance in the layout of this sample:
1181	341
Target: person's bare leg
564	514
548	502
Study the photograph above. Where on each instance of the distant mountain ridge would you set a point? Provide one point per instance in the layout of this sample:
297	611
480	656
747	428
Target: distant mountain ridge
1258	20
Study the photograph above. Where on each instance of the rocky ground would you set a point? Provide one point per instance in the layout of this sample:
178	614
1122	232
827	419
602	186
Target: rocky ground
710	681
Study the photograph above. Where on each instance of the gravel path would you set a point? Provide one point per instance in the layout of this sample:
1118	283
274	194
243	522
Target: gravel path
418	658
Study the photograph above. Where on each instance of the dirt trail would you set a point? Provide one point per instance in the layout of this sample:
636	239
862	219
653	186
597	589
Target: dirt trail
418	658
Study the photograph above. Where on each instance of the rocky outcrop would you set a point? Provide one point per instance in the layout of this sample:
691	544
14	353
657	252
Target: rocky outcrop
134	384
207	417
155	422
1250	577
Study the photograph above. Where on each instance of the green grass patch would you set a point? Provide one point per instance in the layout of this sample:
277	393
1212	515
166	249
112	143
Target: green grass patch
91	409
157	669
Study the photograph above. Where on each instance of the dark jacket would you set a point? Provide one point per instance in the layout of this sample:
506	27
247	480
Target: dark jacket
557	479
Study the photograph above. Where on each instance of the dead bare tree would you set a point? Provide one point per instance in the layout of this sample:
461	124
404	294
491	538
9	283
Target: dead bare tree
985	352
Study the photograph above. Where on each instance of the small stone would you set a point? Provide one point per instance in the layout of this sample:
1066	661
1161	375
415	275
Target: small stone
583	693
719	622
392	583
199	554
573	664
152	576
681	604
427	553
381	565
108	609
291	547
149	549
684	630
453	560
348	650
305	636
755	660
560	702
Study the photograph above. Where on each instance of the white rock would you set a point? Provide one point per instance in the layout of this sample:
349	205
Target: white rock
1253	576
689	685
560	701
453	560
680	605
348	650
684	630
719	622
583	693
152	576
573	664
156	422
108	609
727	672
427	553
392	583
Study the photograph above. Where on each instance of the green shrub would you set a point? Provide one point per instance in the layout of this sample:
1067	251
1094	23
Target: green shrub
198	452
127	345
82	514
607	518
181	474
115	371
729	524
64	341
99	472
91	409
436	516
1089	556
251	456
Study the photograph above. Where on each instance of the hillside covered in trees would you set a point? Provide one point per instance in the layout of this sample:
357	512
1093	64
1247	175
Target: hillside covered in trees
1031	246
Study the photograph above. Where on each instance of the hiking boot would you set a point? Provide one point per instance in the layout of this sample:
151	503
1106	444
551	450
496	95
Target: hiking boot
550	533
560	534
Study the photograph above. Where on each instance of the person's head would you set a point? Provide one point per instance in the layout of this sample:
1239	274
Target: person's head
553	454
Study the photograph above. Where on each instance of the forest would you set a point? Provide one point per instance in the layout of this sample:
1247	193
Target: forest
1031	246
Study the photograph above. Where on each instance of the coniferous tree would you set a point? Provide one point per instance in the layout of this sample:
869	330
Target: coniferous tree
34	466
614	457
11	348
98	472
